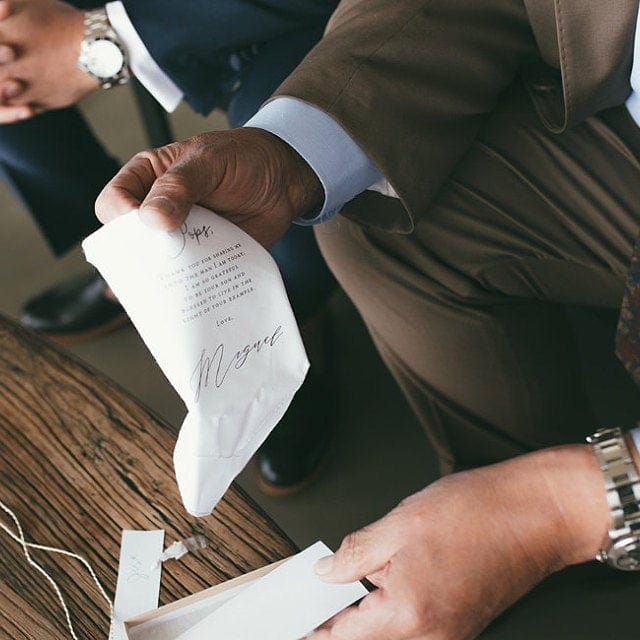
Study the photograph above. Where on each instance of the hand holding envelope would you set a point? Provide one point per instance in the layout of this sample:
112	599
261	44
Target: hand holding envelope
210	304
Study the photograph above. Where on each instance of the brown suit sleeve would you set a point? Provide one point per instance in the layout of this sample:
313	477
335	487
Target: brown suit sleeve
410	81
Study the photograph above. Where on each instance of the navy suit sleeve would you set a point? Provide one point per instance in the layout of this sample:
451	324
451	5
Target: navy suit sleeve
202	44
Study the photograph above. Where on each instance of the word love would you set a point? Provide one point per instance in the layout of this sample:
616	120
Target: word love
215	368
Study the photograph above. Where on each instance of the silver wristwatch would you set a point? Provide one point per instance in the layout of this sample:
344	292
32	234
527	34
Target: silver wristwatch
623	495
101	52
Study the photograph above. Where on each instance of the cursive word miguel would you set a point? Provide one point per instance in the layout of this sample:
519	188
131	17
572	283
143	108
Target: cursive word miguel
215	368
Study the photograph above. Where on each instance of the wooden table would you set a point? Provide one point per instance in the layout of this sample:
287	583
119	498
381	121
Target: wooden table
80	460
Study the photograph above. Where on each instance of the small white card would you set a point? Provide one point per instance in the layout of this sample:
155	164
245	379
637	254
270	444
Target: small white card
139	573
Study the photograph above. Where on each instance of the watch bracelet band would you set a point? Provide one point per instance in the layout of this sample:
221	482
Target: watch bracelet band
97	25
622	484
96	22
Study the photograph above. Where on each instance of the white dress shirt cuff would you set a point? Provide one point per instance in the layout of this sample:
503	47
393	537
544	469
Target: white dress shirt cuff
143	66
340	164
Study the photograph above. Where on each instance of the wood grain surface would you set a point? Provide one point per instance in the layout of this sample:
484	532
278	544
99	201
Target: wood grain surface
80	460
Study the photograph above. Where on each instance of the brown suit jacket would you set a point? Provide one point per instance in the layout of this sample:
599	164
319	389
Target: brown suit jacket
412	80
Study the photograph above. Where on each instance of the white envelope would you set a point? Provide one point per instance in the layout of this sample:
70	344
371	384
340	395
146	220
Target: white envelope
211	306
285	602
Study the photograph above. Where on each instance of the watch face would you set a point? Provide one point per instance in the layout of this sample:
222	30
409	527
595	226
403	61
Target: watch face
104	58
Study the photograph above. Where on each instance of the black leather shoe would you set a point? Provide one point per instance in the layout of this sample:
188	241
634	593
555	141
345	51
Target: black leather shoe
74	310
293	456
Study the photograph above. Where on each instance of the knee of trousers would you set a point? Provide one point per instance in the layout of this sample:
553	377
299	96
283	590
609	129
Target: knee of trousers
396	275
416	307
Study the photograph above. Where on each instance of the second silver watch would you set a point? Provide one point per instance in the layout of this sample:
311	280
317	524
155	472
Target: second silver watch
102	55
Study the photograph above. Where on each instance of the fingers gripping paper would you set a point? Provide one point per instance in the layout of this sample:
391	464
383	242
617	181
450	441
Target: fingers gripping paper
210	304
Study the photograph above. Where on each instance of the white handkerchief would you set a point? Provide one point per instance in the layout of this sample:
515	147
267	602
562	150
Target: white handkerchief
211	306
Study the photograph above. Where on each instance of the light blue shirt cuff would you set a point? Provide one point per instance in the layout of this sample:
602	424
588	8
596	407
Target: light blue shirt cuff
633	103
633	106
341	165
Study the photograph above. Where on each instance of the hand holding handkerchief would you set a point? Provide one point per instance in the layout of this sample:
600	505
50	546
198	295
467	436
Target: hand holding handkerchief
211	306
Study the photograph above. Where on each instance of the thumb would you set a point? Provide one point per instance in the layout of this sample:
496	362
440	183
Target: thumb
10	114
169	200
187	181
361	554
162	188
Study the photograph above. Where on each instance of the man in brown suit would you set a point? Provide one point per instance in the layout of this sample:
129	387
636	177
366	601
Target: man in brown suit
501	127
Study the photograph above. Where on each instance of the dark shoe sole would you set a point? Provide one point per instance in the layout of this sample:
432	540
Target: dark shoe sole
78	337
277	491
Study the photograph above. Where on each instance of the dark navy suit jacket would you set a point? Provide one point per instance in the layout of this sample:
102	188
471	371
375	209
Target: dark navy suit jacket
205	45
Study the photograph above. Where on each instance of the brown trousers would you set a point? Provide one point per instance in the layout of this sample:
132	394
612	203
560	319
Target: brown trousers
468	310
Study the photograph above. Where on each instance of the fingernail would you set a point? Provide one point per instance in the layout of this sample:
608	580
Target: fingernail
10	91
324	566
23	114
161	204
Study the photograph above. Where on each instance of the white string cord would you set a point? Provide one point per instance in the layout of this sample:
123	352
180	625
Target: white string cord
19	538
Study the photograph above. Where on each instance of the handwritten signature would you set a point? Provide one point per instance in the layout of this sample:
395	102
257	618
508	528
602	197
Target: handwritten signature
135	571
216	363
197	233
